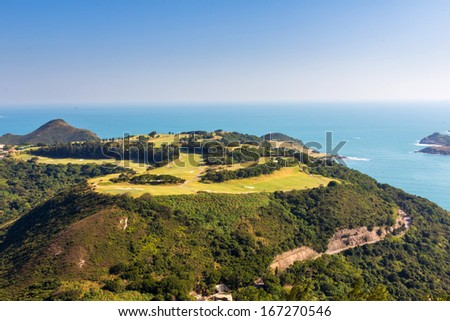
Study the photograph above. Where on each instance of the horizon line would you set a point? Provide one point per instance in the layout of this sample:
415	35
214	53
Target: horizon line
202	103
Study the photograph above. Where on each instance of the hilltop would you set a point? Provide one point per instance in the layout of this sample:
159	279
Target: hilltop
55	131
280	137
437	139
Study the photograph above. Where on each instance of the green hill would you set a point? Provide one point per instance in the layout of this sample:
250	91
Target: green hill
81	232
81	245
281	138
55	131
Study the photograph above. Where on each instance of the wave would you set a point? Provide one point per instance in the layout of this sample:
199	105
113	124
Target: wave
417	143
359	159
427	145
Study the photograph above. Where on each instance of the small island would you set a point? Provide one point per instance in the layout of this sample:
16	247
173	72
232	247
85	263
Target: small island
440	144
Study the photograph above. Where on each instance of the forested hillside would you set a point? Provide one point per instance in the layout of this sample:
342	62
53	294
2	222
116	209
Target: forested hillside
81	245
23	185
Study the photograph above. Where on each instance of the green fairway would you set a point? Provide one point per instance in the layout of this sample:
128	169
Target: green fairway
79	161
160	139
188	168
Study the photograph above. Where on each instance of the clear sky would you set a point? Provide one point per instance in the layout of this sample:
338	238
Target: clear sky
79	51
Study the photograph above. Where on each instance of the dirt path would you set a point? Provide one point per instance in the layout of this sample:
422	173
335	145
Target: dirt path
5	225
342	240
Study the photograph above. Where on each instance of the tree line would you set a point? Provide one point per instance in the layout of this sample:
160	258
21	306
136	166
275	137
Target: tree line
219	176
149	179
140	152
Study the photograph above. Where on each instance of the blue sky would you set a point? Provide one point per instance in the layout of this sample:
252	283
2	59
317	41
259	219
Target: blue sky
113	51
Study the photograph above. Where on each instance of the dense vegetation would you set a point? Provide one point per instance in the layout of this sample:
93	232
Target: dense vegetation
148	179
88	150
23	185
141	152
281	137
216	152
229	137
201	134
176	244
414	267
224	148
218	176
322	211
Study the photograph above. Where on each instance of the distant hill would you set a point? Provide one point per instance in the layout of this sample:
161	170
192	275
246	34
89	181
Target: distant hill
55	131
281	138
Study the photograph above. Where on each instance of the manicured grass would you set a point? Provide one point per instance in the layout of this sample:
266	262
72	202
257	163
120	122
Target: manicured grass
161	138
285	179
190	168
64	161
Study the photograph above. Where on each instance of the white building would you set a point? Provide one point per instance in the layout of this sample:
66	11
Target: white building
2	152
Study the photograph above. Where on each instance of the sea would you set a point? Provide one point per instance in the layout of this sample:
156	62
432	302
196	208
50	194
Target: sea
379	139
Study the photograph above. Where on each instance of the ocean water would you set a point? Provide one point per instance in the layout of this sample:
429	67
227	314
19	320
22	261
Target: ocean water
380	137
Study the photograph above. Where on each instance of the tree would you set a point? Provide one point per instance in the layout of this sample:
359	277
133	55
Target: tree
142	138
358	292
378	293
301	292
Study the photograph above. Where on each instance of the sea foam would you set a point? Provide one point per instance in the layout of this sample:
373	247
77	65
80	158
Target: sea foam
359	159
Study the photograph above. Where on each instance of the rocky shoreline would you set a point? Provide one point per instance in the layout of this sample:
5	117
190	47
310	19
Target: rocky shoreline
439	144
436	150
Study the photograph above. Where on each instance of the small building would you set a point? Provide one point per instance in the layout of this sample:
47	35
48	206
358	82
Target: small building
222	294
221	288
